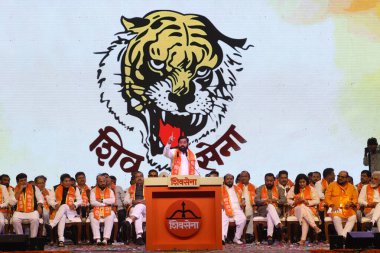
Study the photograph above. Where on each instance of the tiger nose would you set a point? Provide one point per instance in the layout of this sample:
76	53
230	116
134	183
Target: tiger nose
182	98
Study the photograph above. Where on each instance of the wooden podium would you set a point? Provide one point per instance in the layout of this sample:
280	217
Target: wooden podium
183	213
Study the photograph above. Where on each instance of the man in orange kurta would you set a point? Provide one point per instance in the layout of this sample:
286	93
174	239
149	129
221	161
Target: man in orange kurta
342	198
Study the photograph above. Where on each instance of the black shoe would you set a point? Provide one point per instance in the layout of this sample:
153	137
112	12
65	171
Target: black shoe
139	241
128	232
270	240
49	229
368	226
223	243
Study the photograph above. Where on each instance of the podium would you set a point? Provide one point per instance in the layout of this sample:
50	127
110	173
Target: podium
183	213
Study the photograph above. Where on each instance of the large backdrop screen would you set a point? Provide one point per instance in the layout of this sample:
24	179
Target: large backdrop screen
99	86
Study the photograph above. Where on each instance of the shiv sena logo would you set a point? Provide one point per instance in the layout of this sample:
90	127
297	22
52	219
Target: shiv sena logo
183	219
173	72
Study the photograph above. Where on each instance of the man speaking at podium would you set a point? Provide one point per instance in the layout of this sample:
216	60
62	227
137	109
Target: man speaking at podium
184	162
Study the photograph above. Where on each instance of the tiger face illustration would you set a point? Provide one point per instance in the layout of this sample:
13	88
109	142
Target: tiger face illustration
174	72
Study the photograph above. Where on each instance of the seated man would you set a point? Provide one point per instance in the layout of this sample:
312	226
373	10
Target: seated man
102	198
29	205
341	197
4	200
232	208
66	199
40	183
84	190
365	178
268	199
249	192
135	197
369	197
153	173
6	180
283	181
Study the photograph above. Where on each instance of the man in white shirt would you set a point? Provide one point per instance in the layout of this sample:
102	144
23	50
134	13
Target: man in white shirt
29	205
67	199
184	161
48	196
369	197
4	199
135	197
102	198
232	209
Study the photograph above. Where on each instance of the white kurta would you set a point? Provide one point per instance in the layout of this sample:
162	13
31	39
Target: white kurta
64	212
184	170
32	217
374	215
4	204
239	216
108	221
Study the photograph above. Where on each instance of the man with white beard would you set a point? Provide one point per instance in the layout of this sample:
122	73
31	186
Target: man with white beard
369	197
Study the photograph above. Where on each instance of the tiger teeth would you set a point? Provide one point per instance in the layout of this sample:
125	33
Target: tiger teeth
193	119
163	116
134	102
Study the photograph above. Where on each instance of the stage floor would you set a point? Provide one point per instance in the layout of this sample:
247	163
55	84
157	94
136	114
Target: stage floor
117	247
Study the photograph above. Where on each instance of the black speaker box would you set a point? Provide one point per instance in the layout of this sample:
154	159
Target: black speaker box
376	240
336	242
14	242
359	240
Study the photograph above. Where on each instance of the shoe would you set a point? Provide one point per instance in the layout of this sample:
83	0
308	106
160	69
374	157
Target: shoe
318	230
139	241
48	228
128	232
104	242
98	242
270	240
301	243
237	241
223	242
368	226
61	244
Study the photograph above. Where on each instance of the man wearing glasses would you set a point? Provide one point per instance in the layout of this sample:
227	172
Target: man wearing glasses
342	198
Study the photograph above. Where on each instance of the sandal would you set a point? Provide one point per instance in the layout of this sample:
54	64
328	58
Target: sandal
301	243
61	244
317	230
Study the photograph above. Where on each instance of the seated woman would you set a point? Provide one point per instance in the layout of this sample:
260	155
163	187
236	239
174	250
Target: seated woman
303	198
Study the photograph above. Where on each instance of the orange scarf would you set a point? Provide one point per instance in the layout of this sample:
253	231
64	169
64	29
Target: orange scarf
305	194
177	162
83	193
275	195
45	193
70	198
359	187
324	185
25	202
251	191
370	197
132	191
102	211
227	201
2	210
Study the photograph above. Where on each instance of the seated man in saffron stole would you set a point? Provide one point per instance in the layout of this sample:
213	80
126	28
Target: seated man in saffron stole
342	199
102	198
135	197
269	198
29	205
67	199
232	208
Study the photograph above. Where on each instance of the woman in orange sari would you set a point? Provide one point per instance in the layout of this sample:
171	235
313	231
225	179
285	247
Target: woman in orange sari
304	199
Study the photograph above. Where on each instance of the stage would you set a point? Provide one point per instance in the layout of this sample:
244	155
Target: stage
118	247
